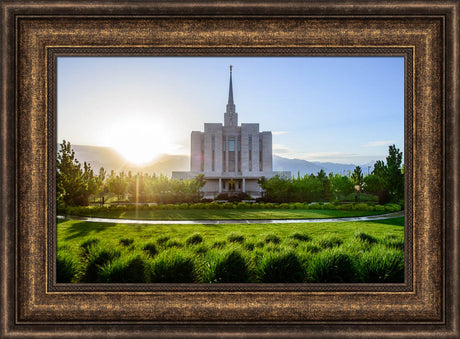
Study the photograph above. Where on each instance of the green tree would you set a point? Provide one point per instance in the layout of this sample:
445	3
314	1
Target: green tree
373	184
341	185
394	174
357	176
117	184
74	184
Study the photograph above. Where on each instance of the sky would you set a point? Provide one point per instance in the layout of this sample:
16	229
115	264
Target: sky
328	109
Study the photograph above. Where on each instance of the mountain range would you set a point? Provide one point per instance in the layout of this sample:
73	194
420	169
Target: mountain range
108	158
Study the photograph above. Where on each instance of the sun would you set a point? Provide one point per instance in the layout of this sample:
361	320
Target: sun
138	142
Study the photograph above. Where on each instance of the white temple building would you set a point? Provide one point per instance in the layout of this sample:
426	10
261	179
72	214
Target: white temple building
232	158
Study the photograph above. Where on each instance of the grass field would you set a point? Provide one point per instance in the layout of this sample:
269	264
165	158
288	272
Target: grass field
219	214
364	251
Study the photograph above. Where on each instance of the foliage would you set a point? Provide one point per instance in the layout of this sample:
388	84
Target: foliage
332	266
280	267
227	267
91	252
74	184
194	239
171	266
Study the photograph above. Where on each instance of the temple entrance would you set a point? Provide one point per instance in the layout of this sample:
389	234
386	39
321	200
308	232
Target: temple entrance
231	186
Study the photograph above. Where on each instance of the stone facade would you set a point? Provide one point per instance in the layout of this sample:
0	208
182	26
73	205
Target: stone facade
231	157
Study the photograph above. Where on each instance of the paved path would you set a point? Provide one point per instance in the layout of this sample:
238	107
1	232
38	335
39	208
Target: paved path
234	221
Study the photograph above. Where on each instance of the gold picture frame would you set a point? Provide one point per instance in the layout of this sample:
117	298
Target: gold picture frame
426	34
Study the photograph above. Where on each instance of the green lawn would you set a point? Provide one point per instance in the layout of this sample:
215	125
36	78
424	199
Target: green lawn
364	251
219	214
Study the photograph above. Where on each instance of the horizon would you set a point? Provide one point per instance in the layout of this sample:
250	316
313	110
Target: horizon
352	109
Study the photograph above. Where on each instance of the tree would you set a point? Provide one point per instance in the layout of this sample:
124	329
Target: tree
341	185
373	184
74	184
357	176
394	175
117	184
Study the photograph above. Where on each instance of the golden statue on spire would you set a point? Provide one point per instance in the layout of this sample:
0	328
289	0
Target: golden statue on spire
231	68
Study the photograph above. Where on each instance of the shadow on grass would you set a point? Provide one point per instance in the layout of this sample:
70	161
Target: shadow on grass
392	221
85	228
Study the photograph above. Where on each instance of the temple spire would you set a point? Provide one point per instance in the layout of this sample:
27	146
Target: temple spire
230	116
230	88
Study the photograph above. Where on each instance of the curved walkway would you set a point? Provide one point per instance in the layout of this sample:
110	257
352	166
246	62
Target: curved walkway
235	221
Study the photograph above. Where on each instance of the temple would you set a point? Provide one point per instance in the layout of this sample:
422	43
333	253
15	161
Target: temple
231	157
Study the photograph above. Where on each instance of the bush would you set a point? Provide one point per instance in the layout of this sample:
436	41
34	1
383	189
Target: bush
329	241
219	244
235	237
379	208
66	266
162	240
127	269
171	266
150	248
173	243
280	268
85	245
194	239
97	257
332	266
382	265
393	241
300	236
126	242
365	237
315	206
229	267
272	238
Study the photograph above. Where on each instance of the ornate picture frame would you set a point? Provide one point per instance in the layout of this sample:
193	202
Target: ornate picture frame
426	34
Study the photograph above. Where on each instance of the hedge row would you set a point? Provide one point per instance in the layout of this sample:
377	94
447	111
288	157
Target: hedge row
240	205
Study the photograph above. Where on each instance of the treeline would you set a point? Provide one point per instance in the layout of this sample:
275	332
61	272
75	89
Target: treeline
77	183
386	183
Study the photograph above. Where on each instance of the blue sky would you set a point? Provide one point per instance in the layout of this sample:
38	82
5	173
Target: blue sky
338	109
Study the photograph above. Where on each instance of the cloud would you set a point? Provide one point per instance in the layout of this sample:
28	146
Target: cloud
279	132
379	143
281	149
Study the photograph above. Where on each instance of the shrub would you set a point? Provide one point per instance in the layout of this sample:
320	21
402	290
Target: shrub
150	248
229	267
280	268
331	266
382	265
298	205
66	266
173	243
126	242
219	244
85	245
235	237
365	237
329	241
393	241
283	206
379	208
315	206
162	240
127	269
272	238
171	266
194	239
97	257
300	236
248	246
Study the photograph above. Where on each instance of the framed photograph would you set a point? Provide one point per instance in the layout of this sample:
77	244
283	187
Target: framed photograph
133	207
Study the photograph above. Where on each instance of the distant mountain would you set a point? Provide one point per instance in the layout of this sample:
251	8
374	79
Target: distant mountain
109	159
306	167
